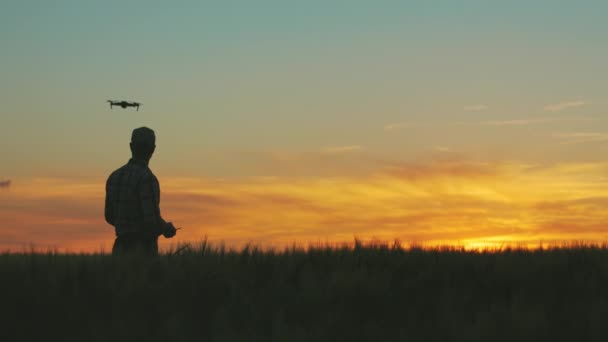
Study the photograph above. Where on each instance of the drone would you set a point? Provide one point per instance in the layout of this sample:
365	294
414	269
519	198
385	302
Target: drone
124	104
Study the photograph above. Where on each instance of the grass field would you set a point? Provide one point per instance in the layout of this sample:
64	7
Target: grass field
365	293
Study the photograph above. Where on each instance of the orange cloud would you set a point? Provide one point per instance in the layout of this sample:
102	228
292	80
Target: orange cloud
446	201
342	149
564	105
476	107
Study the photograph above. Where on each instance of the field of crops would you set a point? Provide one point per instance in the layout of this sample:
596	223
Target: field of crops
360	293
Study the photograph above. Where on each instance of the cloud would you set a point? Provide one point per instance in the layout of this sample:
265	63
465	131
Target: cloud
581	137
342	149
530	121
476	107
517	122
557	107
397	126
5	183
443	170
450	201
347	160
506	122
202	199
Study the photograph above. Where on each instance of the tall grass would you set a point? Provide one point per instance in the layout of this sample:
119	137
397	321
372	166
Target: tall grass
363	292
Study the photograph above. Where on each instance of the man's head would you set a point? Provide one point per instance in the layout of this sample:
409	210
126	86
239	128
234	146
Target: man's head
143	143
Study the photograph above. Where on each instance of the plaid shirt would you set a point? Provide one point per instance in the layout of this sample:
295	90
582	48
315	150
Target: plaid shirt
132	200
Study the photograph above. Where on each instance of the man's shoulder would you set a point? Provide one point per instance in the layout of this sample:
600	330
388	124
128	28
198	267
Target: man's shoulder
116	173
139	171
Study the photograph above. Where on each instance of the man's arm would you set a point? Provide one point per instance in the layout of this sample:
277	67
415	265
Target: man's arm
149	195
109	208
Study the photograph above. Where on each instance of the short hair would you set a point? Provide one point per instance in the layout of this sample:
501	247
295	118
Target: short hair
143	135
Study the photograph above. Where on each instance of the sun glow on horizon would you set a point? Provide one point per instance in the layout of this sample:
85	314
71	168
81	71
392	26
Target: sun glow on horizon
507	204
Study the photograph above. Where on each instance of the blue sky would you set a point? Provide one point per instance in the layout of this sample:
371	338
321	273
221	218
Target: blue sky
297	76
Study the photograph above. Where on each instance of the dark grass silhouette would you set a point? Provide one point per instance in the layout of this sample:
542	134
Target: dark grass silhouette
366	293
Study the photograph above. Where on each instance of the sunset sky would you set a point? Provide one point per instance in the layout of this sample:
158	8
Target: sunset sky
441	122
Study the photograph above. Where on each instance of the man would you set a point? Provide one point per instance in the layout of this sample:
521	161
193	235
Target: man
132	200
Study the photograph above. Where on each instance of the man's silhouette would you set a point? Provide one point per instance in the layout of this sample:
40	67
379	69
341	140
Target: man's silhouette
132	200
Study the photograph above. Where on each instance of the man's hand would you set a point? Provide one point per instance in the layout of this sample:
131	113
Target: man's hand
169	230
